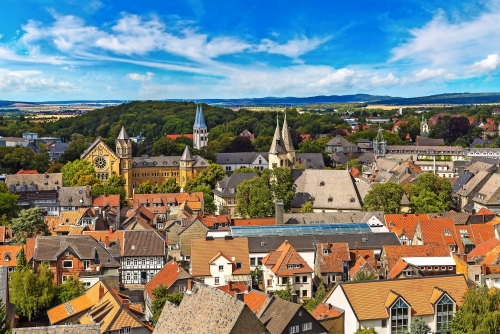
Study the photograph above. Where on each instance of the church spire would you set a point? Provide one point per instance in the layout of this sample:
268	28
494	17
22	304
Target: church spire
123	134
287	139
277	146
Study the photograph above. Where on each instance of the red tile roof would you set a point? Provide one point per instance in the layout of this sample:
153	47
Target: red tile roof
404	223
210	221
484	212
30	248
254	222
28	171
331	256
326	311
281	258
393	253
481	250
102	201
253	299
397	269
167	276
174	137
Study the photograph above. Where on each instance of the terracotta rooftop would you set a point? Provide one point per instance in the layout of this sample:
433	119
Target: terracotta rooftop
331	256
404	223
167	276
397	269
481	250
8	255
103	201
254	222
326	311
392	254
27	171
283	260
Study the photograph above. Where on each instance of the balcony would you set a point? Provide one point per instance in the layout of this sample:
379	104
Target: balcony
89	272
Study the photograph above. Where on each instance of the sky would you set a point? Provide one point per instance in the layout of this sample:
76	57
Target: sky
195	49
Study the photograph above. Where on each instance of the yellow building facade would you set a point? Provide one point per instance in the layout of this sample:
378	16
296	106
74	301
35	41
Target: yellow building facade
137	170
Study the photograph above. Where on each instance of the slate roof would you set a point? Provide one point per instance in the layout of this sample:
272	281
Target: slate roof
143	243
332	217
240	158
277	145
224	314
186	155
370	299
310	160
82	246
473	183
279	314
479	166
338	140
34	182
305	243
167	276
164	161
488	190
462	180
282	257
227	186
203	250
333	260
75	196
460	218
63	329
327	189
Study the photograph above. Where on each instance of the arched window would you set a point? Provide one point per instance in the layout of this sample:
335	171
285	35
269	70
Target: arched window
399	317
444	312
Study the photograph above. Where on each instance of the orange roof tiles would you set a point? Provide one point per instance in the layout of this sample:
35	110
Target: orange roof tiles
72	217
492	256
254	299
101	236
397	269
484	212
52	222
102	201
174	137
30	248
284	259
254	222
166	277
326	311
27	171
233	288
210	221
368	299
482	249
12	251
391	254
397	222
331	256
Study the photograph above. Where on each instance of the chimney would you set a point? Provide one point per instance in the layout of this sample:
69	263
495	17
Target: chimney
126	303
111	230
279	208
230	285
190	285
356	251
106	240
240	296
295	298
101	292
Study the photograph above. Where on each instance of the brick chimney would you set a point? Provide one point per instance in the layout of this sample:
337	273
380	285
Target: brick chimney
101	292
356	252
106	240
279	209
126	303
189	284
111	230
230	286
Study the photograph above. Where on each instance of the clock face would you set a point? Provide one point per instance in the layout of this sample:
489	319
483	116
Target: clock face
100	162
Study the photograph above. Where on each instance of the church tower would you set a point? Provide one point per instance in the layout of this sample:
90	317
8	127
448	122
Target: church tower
186	168
278	156
124	152
287	141
200	133
424	128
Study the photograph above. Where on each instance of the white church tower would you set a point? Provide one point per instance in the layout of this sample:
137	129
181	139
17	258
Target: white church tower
200	133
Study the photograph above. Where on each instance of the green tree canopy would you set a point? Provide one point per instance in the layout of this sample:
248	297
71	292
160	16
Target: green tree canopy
170	186
144	188
113	186
366	330
74	150
32	292
363	275
479	313
210	176
384	197
418	326
430	194
285	294
162	295
70	289
75	171
307	207
28	224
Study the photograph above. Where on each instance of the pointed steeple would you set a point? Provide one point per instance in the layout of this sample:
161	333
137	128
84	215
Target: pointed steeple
186	155
287	139
199	121
277	145
123	134
197	115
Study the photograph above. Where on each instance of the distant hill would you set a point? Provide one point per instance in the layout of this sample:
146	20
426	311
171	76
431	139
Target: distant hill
12	104
453	98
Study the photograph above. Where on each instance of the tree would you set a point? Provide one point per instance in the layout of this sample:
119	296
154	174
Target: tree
208	197
21	259
32	292
55	168
144	188
170	186
354	163
4	322
285	294
307	207
418	326
162	295
167	147
364	275
71	169
210	176
318	298
246	170
430	194
8	206
74	150
479	313
240	144
384	197
70	289
113	186
29	224
366	330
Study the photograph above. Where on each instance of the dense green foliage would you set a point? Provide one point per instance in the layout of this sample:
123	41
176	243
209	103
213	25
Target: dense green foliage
70	289
419	326
12	159
8	205
430	194
366	330
307	207
113	186
161	297
78	173
32	291
255	197
28	224
311	303
479	313
285	294
384	197
363	275
451	129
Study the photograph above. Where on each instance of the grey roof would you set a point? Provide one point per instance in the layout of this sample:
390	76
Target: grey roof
366	158
462	180
480	141
227	186
310	160
91	147
339	158
441	150
332	217
338	140
63	329
460	218
479	166
58	149
278	315
82	246
305	243
199	120
489	189
123	134
473	183
34	182
363	189
287	139
240	157
147	161
143	243
327	189
277	145
186	155
430	142
75	196
208	310
313	228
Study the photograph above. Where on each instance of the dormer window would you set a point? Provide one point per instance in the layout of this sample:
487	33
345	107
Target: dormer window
399	317
447	233
326	251
444	312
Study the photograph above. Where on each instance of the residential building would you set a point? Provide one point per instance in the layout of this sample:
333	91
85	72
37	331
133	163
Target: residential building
218	261
281	316
179	235
57	150
331	262
403	225
164	206
33	182
389	306
340	145
330	317
488	196
408	267
328	190
225	193
254	299
285	267
8	256
172	276
79	256
207	310
143	255
233	161
137	170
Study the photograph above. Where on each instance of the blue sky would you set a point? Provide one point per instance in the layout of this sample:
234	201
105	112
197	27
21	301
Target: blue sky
192	49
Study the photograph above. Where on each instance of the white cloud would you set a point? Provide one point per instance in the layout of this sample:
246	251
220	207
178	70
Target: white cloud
293	48
139	77
29	80
427	74
485	66
93	6
342	76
